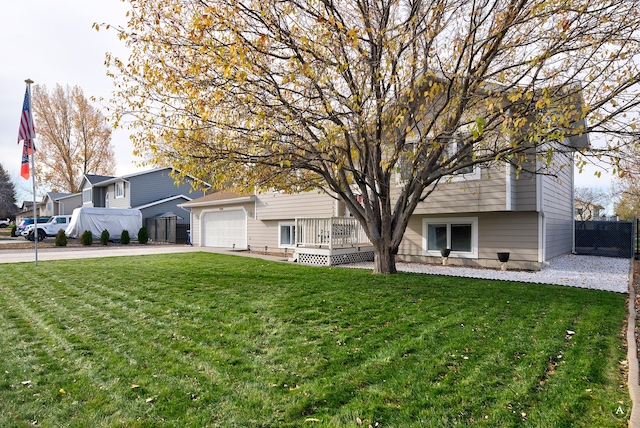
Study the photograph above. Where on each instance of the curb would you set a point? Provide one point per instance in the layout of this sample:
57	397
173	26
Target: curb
632	355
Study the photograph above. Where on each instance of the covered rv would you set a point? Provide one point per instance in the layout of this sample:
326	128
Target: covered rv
113	220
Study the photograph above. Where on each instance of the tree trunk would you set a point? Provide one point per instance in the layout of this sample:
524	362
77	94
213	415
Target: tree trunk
384	261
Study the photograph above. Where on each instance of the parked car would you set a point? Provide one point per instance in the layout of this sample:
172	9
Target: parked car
5	223
49	228
27	221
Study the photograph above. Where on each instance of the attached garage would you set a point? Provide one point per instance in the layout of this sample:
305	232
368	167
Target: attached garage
226	228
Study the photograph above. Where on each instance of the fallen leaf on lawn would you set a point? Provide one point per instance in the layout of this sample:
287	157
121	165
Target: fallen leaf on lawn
26	382
149	400
358	421
134	386
62	391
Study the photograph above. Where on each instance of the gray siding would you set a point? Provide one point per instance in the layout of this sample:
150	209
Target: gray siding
98	194
279	206
68	204
516	233
489	193
124	201
165	207
263	233
156	185
557	205
525	192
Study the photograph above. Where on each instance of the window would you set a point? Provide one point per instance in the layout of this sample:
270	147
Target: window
458	234
60	220
286	235
457	144
86	196
119	190
471	172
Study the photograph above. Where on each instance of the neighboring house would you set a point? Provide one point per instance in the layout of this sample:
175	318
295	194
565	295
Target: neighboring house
585	211
153	192
26	210
477	214
61	203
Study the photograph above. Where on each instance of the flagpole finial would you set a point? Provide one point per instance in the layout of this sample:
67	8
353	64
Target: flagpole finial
29	81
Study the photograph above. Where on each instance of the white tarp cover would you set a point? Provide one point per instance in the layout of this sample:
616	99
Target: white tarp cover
114	220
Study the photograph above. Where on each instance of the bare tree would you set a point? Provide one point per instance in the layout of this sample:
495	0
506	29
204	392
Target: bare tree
590	202
74	138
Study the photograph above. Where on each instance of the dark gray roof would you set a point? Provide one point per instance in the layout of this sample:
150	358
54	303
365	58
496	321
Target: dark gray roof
57	195
95	179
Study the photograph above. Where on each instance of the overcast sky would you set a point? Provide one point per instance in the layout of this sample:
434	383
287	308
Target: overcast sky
53	42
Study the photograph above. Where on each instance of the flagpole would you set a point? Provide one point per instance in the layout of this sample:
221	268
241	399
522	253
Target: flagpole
33	183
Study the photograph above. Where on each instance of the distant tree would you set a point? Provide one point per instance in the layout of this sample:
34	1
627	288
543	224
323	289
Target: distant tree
627	207
589	200
627	187
73	138
7	195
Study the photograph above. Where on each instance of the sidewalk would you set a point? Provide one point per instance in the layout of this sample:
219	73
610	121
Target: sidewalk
100	251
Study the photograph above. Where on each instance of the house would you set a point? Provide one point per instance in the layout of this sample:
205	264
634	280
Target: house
26	210
585	211
154	192
476	214
60	203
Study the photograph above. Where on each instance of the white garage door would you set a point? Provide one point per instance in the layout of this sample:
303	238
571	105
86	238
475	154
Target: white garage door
225	228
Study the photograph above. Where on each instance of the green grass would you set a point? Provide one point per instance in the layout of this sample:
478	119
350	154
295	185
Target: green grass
209	340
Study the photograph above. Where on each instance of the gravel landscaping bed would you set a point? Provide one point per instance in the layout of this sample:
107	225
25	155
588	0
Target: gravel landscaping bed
598	273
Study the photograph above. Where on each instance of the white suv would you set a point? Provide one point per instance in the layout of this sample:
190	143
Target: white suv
50	228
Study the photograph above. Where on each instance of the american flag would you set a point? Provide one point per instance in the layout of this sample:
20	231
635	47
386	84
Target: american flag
26	132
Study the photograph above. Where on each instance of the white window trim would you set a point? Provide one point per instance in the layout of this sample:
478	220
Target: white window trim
449	221
89	193
280	225
471	176
115	190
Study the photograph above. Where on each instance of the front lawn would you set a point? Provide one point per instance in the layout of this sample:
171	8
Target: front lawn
201	339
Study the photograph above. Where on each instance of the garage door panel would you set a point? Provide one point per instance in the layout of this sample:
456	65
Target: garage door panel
225	229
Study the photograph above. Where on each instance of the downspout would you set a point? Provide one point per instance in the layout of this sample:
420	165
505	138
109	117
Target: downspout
573	208
541	218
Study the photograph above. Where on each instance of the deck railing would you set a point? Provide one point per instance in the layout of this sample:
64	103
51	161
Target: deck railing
330	232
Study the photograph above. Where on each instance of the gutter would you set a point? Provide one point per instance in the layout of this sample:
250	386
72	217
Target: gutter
220	202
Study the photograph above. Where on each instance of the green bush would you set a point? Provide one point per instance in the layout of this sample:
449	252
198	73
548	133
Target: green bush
143	235
124	238
13	230
86	238
104	237
61	238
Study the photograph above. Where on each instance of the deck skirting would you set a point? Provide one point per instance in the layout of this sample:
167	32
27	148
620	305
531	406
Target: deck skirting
332	257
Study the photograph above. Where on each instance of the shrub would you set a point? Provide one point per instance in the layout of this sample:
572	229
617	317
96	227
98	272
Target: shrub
143	235
86	238
61	238
104	237
124	238
13	230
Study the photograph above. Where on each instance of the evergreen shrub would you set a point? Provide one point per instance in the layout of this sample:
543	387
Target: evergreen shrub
104	237
61	238
143	235
86	238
